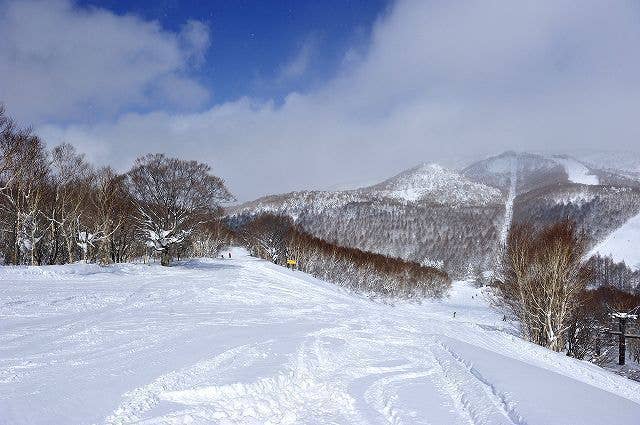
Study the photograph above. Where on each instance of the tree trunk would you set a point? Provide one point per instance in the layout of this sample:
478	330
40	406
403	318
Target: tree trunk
165	258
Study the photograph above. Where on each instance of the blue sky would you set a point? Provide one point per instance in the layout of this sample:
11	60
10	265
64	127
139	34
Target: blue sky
288	95
252	39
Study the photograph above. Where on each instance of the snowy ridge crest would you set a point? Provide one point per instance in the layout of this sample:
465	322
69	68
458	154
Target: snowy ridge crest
434	183
430	183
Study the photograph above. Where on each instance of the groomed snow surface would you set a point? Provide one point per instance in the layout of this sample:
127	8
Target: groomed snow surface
243	341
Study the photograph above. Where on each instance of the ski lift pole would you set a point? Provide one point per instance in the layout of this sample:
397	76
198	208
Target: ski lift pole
622	345
622	334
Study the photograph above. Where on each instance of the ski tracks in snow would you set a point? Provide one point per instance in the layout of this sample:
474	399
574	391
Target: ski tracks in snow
248	342
483	403
139	401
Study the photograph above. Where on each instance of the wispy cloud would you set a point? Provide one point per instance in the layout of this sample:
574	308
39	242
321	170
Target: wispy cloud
299	64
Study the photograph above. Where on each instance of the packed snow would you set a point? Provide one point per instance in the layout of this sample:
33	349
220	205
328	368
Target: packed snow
577	172
622	244
244	341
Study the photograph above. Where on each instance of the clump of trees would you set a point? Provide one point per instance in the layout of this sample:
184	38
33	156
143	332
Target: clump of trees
277	239
561	301
56	207
450	237
587	336
609	273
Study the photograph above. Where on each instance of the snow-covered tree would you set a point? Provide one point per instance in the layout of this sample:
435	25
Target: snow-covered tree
172	197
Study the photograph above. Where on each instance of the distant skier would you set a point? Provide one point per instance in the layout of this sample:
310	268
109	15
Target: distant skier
454	314
229	254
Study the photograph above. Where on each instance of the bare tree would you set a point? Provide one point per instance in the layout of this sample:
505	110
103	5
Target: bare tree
543	280
172	196
108	195
71	180
23	173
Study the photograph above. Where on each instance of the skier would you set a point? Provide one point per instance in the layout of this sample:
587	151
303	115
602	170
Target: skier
229	254
454	314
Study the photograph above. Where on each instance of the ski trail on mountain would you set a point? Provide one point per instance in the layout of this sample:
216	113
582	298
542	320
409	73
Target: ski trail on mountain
622	244
508	210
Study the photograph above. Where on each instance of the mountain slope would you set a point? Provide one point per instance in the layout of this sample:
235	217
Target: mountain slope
622	244
244	341
457	220
532	170
426	214
576	171
433	183
553	188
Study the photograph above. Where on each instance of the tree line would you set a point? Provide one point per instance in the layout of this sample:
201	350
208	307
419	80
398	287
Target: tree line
277	239
56	207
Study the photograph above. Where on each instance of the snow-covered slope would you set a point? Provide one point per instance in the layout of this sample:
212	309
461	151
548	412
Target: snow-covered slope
623	244
433	183
531	171
243	341
577	172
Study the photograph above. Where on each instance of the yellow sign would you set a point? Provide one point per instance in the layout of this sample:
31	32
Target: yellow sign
292	262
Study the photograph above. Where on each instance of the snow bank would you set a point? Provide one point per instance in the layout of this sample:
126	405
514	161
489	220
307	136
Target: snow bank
240	341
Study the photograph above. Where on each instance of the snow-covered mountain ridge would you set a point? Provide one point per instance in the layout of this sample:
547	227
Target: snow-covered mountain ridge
418	213
425	183
434	183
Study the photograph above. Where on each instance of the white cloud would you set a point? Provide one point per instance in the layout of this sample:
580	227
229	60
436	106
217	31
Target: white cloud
58	61
298	65
195	38
438	79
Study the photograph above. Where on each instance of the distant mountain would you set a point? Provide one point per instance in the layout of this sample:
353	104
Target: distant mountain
433	183
551	188
529	170
427	214
458	220
618	162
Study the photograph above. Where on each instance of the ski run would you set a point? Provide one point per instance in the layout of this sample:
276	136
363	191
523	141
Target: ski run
622	244
244	341
577	172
